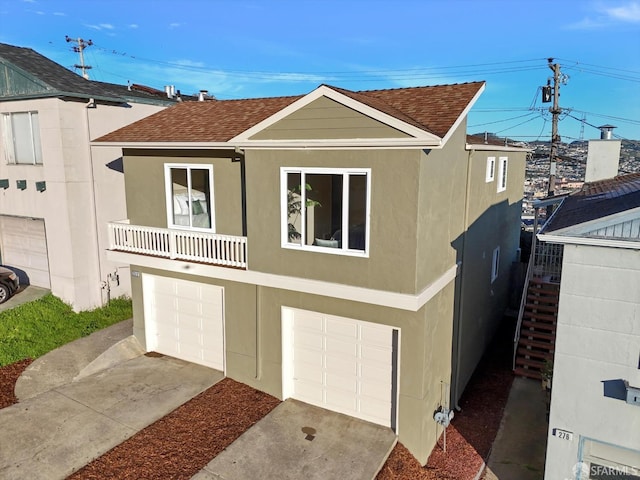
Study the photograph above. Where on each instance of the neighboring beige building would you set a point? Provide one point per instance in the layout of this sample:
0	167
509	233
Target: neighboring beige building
57	192
352	250
594	422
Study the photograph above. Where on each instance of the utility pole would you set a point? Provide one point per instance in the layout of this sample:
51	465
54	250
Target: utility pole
555	138
79	48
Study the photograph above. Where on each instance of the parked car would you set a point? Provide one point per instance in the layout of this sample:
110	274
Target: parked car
9	284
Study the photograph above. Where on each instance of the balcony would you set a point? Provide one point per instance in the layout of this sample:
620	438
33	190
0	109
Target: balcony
200	247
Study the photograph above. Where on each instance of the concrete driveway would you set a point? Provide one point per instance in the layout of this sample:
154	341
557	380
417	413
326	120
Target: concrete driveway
58	427
299	441
81	400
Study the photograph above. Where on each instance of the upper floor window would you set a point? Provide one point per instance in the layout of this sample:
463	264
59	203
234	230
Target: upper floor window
22	138
189	196
326	209
502	179
495	264
491	169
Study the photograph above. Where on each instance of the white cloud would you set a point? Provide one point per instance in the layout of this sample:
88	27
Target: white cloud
60	14
101	26
607	16
133	25
626	13
39	12
29	1
175	25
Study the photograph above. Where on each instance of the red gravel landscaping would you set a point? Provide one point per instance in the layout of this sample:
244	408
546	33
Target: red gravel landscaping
183	442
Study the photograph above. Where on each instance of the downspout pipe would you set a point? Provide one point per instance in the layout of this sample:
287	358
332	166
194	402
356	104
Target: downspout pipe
239	157
459	305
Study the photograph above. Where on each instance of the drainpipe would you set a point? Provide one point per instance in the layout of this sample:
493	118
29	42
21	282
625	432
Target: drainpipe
239	157
458	308
91	105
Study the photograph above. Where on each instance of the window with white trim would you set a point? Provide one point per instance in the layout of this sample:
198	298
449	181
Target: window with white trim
495	264
491	169
502	179
189	194
326	209
21	133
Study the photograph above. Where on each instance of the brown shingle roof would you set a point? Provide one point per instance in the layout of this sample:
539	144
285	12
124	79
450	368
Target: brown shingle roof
597	200
433	109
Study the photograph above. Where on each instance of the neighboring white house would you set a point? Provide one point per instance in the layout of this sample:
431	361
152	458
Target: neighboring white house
56	192
594	422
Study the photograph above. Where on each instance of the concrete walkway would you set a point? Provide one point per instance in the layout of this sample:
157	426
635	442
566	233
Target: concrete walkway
56	431
299	441
519	448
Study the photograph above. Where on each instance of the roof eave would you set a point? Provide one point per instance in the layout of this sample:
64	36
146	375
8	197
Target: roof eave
497	148
588	241
390	143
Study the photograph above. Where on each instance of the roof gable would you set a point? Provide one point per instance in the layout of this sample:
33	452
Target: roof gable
428	115
24	73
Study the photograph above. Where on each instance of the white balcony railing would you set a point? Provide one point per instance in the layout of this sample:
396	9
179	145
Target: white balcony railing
212	248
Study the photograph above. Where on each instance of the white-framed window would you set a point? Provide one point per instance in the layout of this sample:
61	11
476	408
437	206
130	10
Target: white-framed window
189	195
21	134
491	169
326	209
502	178
495	264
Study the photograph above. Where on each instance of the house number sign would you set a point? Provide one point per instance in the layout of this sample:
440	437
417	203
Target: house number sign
562	434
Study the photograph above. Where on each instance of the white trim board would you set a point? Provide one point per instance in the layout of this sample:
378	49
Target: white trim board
402	301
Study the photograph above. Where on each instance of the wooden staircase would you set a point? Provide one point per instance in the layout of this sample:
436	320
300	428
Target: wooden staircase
536	343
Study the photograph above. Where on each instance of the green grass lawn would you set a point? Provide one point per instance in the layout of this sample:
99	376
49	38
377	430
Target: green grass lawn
35	328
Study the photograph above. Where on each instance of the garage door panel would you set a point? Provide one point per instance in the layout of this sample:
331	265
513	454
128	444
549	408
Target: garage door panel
348	365
341	364
309	320
375	389
376	354
375	371
23	244
341	347
341	382
309	392
309	357
308	339
345	402
339	328
375	335
179	324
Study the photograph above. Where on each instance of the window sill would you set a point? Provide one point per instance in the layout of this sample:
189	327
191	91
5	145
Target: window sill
327	250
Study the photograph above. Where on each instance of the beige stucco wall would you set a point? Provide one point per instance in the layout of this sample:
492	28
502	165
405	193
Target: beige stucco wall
76	177
441	203
394	187
253	341
492	219
325	118
145	187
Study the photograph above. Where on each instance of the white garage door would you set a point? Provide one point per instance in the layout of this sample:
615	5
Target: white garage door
341	364
184	319
23	246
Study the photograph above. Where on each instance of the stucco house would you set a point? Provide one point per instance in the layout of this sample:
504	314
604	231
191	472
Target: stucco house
348	249
57	192
594	421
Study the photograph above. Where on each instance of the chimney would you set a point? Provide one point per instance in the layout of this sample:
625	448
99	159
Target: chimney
169	90
202	96
603	156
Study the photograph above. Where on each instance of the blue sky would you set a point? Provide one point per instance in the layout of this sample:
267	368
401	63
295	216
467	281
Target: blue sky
255	48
